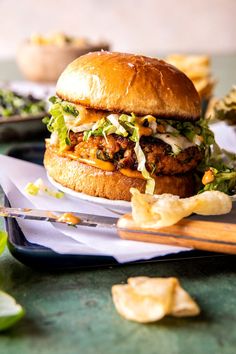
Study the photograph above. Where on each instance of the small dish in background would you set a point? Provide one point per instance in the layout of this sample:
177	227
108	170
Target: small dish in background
22	107
17	128
43	58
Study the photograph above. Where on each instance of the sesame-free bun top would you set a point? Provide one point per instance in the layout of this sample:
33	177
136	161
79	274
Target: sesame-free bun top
121	82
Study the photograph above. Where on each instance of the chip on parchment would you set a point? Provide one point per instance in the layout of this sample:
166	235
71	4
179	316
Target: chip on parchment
146	299
156	211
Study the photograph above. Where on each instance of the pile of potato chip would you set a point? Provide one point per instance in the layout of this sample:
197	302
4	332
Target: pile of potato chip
225	108
58	39
198	69
146	299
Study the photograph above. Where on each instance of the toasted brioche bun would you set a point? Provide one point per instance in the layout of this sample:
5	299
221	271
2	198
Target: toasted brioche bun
90	180
120	82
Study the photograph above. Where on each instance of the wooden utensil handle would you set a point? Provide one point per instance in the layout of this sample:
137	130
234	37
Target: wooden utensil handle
198	234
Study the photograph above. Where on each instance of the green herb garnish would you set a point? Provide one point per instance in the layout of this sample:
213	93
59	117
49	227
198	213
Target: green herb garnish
12	103
224	181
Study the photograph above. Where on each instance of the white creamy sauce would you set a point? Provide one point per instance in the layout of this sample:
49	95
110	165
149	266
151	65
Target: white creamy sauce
177	143
69	118
73	124
80	128
54	139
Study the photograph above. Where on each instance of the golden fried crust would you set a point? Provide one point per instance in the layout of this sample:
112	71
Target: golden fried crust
112	185
121	82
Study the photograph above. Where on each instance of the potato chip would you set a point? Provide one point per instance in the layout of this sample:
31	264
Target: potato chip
183	305
135	307
146	299
189	60
160	288
166	209
212	203
142	207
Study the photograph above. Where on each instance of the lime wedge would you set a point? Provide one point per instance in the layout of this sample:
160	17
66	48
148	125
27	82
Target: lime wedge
10	311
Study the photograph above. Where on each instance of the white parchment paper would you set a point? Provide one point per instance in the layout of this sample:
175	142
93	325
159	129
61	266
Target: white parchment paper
14	177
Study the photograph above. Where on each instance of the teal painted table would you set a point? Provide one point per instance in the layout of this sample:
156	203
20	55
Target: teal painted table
72	312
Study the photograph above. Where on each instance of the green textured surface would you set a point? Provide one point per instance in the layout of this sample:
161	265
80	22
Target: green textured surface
72	312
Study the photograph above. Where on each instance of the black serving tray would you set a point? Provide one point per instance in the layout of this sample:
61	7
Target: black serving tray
37	256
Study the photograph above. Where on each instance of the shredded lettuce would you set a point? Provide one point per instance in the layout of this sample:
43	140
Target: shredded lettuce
106	126
150	185
114	120
67	107
101	128
3	240
78	128
223	166
124	125
57	124
33	188
206	132
191	130
127	125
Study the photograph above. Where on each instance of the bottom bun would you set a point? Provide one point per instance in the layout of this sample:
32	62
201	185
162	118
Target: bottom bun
93	181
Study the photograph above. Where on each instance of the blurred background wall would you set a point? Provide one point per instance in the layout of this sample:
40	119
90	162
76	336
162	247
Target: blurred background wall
146	26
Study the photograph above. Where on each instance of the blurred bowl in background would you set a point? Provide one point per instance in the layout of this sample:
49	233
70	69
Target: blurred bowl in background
42	59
